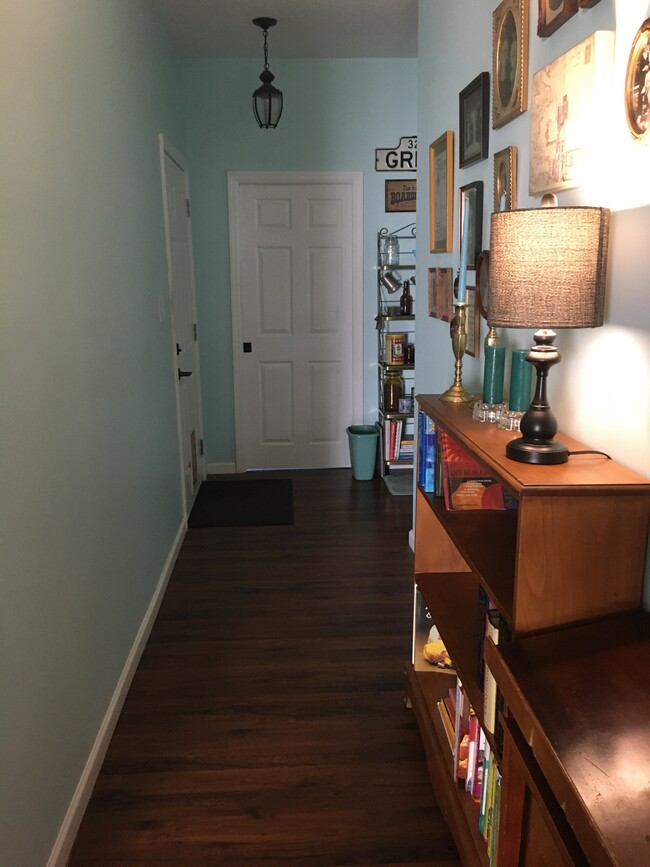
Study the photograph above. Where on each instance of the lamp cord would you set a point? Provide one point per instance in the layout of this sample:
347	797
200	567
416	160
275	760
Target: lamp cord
590	452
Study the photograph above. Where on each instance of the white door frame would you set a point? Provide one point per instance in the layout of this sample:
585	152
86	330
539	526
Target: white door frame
166	147
240	179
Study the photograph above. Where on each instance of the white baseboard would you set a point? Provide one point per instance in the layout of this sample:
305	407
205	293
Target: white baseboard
412	540
218	469
68	831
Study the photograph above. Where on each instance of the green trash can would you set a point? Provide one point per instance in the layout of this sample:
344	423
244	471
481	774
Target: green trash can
362	439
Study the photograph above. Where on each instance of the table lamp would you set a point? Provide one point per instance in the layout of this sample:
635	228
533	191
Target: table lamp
547	270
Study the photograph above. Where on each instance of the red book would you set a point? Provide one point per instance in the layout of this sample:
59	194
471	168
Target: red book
466	484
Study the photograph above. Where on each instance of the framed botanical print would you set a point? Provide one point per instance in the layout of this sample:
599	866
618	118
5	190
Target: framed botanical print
505	179
471	194
441	184
474	107
637	83
553	13
566	107
509	61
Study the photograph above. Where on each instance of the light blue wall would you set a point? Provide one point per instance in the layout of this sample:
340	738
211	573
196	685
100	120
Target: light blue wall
601	391
336	113
90	502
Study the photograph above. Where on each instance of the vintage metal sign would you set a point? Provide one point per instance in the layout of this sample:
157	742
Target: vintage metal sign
403	158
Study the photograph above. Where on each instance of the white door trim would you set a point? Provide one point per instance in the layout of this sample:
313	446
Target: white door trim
166	147
240	179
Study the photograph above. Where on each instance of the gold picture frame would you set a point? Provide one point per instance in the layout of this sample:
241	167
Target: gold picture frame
637	84
505	179
441	201
509	61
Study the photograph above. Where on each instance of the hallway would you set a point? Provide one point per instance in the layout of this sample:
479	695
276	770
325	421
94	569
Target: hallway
266	723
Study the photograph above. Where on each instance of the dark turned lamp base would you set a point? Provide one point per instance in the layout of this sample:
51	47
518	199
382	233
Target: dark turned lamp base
538	426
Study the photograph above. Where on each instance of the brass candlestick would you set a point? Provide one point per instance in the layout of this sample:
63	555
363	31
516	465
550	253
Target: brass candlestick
457	393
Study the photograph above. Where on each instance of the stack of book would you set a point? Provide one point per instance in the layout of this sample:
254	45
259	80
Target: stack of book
474	764
398	444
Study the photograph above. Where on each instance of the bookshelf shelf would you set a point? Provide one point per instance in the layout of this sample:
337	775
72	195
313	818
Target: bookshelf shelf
545	568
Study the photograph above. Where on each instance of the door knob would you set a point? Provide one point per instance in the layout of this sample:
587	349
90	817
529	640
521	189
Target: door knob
183	373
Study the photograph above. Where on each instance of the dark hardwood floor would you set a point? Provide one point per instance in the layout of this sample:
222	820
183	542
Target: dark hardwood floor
266	722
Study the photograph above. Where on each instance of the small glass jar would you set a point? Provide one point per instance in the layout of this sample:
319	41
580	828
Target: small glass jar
391	250
393	390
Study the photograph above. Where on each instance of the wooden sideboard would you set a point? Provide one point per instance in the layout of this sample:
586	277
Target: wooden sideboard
572	552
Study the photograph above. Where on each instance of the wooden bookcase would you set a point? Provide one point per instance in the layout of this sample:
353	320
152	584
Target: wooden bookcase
572	551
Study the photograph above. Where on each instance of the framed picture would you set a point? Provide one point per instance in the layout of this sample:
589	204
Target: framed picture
505	179
509	61
585	4
400	196
473	346
441	293
472	194
566	114
441	203
637	83
474	107
553	13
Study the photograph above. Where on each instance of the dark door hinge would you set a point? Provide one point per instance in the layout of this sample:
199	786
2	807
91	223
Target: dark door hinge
201	446
195	331
187	208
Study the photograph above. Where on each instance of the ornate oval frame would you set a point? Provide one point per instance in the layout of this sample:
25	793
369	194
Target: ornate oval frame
637	84
516	104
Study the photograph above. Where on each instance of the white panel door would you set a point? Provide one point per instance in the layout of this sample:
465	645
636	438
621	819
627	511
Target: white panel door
296	290
178	229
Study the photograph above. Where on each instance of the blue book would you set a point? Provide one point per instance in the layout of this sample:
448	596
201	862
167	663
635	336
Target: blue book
429	455
420	447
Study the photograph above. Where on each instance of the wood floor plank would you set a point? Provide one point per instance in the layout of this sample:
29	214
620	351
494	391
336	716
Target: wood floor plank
266	723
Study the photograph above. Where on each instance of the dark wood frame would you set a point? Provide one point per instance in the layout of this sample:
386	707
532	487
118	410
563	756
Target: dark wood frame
546	26
640	42
473	345
475	188
398	185
483	282
441	150
514	101
586	4
472	100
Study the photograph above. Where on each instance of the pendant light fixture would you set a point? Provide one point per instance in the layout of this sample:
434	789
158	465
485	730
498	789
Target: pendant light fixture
267	100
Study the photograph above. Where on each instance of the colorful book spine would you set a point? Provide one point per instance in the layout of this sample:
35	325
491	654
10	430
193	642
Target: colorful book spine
487	762
429	454
420	470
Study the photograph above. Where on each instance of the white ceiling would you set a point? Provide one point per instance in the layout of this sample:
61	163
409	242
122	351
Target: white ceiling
305	28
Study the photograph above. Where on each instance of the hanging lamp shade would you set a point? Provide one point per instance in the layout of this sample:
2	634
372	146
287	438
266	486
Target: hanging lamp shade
267	99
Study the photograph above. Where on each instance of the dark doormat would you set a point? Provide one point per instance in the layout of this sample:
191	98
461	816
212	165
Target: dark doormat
243	503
